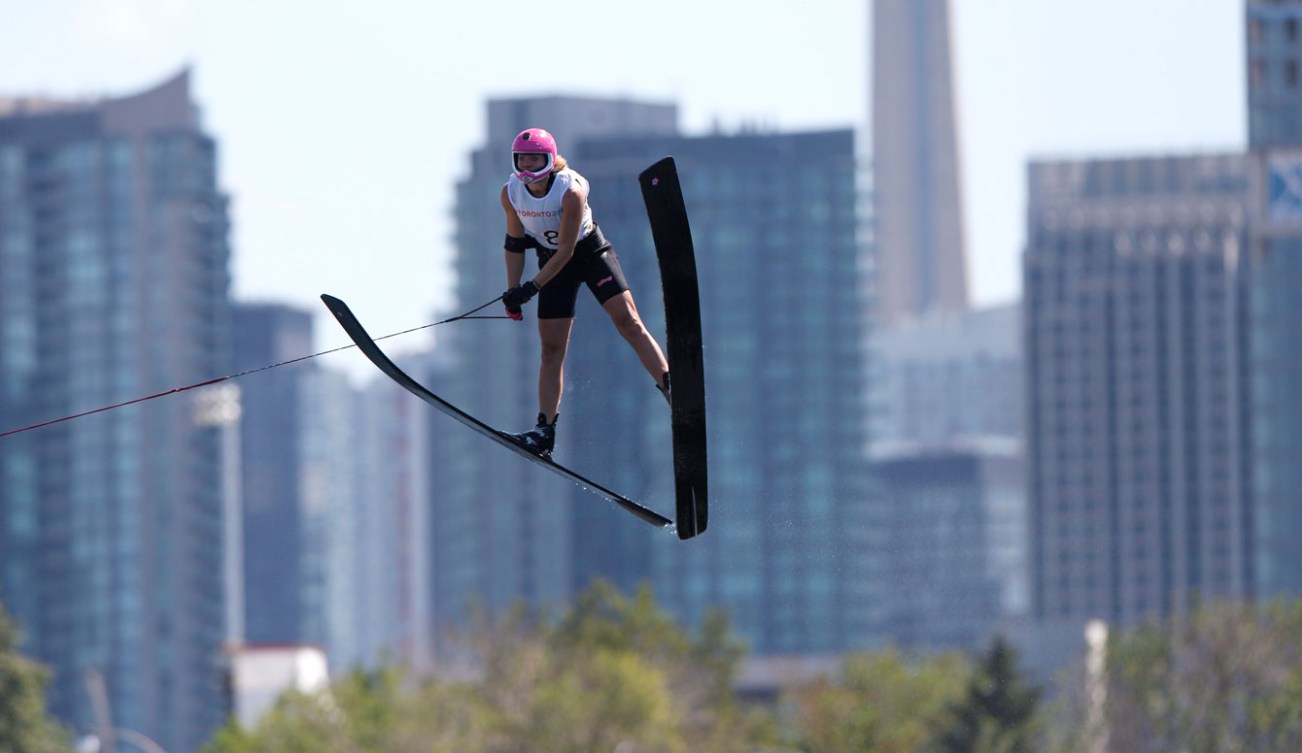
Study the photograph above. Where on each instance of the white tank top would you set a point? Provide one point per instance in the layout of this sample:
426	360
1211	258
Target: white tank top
542	216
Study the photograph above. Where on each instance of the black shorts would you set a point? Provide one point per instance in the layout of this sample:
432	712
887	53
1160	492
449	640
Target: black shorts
594	263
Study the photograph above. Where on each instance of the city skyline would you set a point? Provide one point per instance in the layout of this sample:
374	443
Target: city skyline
400	112
1148	331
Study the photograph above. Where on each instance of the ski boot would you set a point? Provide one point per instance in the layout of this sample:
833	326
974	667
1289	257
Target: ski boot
667	390
540	439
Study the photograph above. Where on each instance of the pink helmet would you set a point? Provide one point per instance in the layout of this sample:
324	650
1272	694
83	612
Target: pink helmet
533	141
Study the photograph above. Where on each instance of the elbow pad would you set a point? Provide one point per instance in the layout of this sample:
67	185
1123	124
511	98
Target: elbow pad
518	245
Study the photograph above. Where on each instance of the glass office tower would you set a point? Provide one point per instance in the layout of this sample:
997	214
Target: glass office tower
274	517
1274	50
781	272
1137	438
114	285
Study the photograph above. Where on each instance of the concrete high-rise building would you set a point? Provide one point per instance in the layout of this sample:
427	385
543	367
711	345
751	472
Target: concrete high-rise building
1137	443
918	212
114	285
1274	50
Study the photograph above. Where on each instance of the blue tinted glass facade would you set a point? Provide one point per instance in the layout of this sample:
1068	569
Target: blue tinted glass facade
779	268
1274	52
275	558
1136	357
113	237
1277	414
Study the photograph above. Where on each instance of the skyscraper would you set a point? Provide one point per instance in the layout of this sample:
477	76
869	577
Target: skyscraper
1274	50
954	567
393	536
781	274
299	462
1135	326
114	285
273	510
920	265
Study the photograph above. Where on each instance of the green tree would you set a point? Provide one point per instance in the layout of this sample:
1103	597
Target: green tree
1225	677
998	712
881	702
25	726
381	711
605	699
611	672
629	674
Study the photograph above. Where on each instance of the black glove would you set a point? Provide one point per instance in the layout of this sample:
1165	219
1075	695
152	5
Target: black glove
516	297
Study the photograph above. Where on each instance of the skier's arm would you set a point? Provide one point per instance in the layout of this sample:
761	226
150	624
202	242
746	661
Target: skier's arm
514	268
515	229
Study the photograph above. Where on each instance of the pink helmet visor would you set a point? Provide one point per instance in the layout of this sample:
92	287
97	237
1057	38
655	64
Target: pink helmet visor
533	141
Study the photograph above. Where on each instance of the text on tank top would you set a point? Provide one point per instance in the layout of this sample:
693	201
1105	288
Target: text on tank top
541	216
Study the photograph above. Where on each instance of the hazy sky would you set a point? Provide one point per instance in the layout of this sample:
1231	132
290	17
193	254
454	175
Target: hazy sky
345	126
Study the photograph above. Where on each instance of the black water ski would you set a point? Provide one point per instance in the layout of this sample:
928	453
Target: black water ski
367	345
673	240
